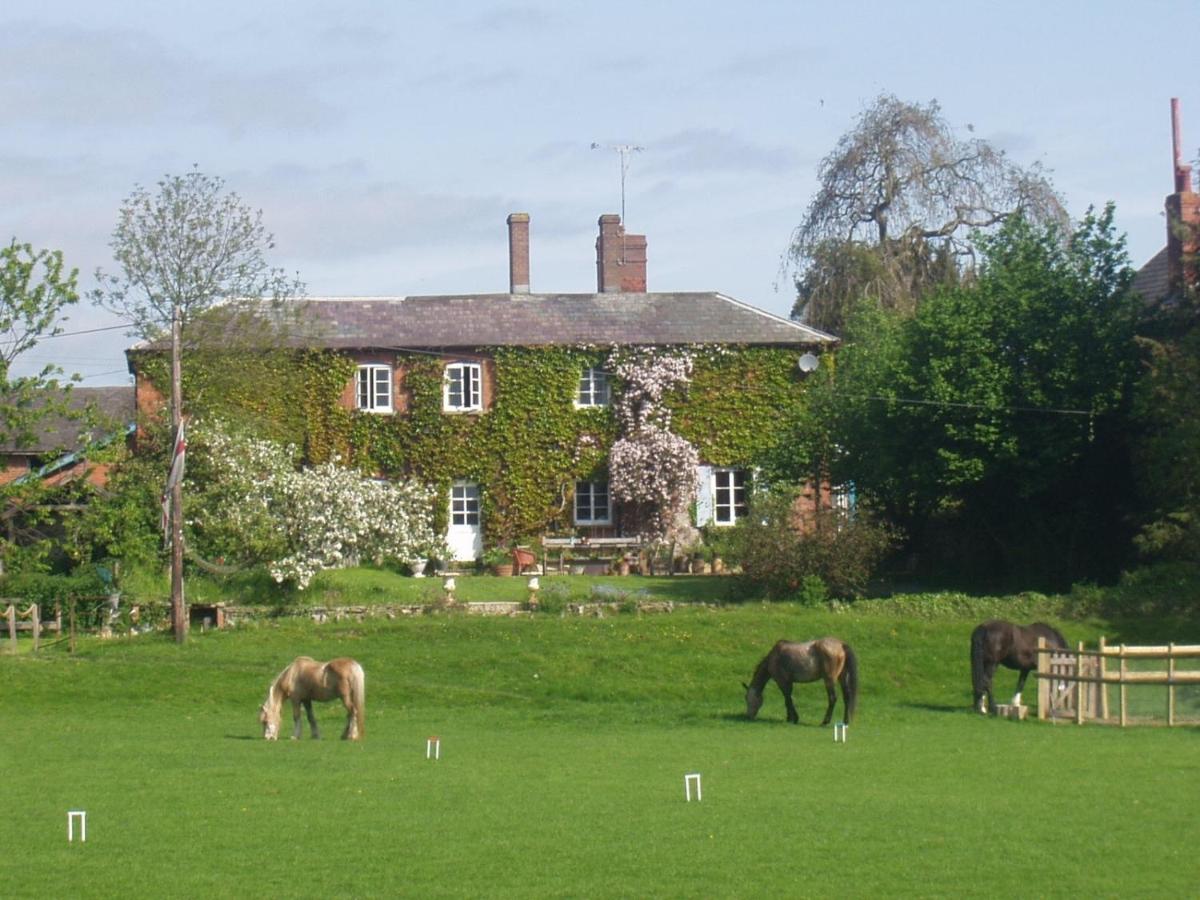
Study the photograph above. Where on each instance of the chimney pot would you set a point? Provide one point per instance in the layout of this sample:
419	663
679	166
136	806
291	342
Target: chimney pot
518	253
1183	214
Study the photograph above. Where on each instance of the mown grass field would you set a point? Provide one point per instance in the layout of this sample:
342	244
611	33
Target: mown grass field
564	746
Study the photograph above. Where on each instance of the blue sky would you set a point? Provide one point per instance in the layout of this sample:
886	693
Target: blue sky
387	142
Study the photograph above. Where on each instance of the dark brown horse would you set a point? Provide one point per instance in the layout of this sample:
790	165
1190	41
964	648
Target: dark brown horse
1001	643
828	659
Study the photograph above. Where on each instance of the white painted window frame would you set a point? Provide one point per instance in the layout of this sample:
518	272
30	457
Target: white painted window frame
469	376
594	390
729	507
590	487
373	388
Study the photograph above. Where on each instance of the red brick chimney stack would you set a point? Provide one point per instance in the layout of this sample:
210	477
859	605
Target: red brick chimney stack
620	258
518	253
1183	212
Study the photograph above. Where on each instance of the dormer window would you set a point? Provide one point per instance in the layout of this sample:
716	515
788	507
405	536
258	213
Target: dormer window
593	388
373	389
461	388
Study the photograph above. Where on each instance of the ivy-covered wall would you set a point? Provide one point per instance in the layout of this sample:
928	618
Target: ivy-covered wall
526	449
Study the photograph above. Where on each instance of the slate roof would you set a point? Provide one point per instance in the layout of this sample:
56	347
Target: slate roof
497	320
1151	279
116	410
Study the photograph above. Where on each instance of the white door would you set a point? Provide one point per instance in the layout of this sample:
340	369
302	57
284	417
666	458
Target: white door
464	534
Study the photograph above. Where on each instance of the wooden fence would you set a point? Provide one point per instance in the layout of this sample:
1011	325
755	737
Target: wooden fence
1074	684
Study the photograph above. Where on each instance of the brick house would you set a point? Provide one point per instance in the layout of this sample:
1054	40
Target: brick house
466	333
56	454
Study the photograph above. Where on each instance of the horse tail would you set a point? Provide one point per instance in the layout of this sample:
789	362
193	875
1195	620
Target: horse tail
978	646
849	680
358	697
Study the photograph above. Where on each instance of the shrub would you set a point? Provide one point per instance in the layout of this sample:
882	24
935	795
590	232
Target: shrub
834	553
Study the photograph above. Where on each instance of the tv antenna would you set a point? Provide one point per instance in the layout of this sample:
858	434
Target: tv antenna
624	151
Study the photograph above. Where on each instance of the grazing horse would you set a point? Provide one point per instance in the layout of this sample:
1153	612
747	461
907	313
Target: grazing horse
828	658
1002	643
306	680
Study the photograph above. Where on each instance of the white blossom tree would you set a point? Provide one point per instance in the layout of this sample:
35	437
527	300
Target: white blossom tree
251	503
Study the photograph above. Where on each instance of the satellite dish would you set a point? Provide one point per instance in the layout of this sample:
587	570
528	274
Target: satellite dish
808	363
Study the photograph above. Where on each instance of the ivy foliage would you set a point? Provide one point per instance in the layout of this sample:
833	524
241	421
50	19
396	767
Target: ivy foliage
526	450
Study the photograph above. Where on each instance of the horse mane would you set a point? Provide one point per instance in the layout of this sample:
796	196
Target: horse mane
1052	635
762	672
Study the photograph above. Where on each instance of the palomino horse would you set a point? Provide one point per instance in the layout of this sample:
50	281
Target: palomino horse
998	642
306	680
828	658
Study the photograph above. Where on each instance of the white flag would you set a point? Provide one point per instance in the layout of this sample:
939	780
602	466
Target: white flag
173	478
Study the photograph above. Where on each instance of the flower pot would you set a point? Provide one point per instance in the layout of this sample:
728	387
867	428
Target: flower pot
418	567
503	569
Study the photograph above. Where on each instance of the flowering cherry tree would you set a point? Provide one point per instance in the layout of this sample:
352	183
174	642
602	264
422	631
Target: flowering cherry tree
252	503
651	469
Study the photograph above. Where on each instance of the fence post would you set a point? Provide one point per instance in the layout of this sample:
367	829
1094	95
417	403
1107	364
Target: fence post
11	613
1124	689
1079	684
72	618
1043	680
37	626
1171	683
1103	683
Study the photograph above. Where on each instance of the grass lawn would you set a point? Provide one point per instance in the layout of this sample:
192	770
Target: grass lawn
564	745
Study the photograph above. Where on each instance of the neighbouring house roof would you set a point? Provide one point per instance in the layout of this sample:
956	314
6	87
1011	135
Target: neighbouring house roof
1151	280
116	413
499	320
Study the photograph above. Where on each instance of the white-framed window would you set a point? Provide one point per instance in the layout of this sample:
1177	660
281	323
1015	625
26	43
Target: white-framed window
592	505
729	495
462	387
593	388
464	503
373	389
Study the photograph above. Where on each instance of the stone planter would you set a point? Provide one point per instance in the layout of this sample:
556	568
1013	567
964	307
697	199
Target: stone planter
418	567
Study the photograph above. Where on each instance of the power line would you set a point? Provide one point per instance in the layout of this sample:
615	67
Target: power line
912	401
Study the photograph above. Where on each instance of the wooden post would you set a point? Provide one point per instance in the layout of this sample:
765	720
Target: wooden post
72	619
1124	690
11	614
1043	680
37	626
1171	683
1103	685
1079	684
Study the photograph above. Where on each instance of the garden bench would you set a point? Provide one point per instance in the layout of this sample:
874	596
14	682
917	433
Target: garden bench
604	549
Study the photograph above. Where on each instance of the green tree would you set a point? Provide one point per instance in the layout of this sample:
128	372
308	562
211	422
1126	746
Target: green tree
897	203
194	269
35	290
1167	411
991	425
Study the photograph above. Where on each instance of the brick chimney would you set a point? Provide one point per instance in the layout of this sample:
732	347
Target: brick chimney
620	258
1183	213
518	253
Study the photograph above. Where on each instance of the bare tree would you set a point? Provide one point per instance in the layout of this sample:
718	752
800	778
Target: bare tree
193	267
901	183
